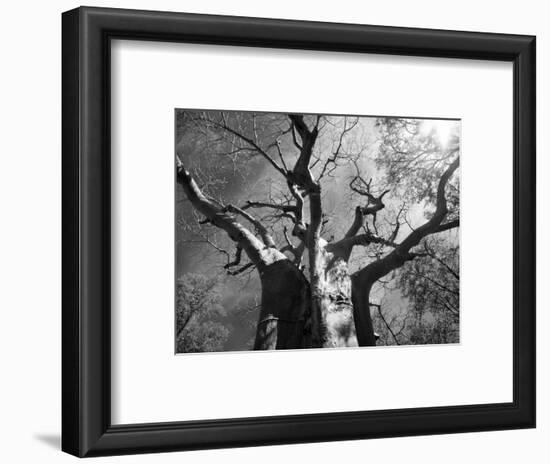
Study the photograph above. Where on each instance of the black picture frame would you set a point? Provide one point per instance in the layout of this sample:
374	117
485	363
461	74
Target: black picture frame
86	280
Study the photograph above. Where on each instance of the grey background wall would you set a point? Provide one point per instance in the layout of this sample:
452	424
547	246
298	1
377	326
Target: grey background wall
30	244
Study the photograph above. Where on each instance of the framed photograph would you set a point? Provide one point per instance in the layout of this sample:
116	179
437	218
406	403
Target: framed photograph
283	231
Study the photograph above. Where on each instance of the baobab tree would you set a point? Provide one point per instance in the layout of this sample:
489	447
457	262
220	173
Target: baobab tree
316	267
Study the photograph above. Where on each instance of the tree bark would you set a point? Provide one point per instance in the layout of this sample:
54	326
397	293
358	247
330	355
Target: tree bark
331	296
336	306
285	308
361	313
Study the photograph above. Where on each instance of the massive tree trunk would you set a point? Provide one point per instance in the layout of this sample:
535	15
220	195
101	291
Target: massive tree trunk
332	304
285	308
297	314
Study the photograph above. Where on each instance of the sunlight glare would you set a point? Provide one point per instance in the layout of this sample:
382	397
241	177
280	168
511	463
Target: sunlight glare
440	129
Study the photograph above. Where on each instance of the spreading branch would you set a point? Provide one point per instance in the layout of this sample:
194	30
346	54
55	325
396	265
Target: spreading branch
374	203
301	174
344	246
219	217
402	252
225	126
260	228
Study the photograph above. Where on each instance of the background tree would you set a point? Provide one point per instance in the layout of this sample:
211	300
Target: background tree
197	302
431	285
316	267
419	166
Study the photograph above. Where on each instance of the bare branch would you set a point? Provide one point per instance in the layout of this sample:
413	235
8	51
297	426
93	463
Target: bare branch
301	174
223	125
294	139
331	160
402	253
390	330
287	238
433	255
374	204
216	215
241	269
261	204
237	260
281	157
344	246
448	226
260	228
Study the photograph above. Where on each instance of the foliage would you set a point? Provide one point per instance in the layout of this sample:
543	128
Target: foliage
414	155
197	303
202	337
431	284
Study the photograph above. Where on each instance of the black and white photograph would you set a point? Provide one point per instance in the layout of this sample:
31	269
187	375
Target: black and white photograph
270	232
299	231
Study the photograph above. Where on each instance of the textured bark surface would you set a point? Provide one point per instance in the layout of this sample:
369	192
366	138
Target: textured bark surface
285	308
337	322
331	299
285	320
